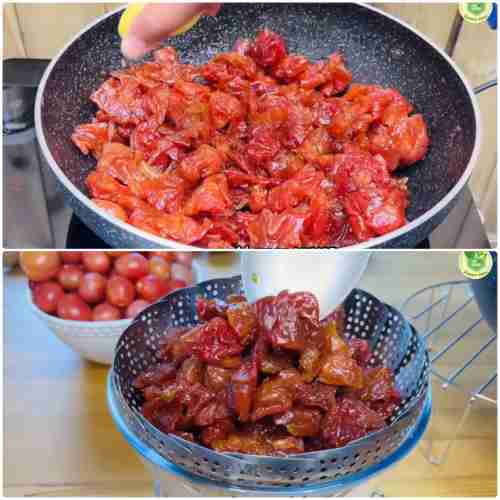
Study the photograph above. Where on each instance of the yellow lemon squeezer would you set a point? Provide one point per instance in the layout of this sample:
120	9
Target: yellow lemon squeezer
134	9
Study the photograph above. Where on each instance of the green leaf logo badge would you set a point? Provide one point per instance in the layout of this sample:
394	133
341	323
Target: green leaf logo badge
475	264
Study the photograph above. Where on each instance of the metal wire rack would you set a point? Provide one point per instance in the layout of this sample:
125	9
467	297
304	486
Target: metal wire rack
439	312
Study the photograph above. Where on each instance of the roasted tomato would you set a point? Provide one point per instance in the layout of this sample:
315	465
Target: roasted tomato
256	148
347	421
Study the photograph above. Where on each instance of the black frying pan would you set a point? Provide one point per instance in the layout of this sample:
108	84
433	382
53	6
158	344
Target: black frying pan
378	49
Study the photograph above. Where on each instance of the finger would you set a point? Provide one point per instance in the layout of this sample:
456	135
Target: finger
158	21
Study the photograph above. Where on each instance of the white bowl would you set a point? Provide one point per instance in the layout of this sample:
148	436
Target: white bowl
93	340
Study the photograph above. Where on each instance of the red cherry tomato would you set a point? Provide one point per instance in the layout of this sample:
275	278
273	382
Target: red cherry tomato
120	291
92	288
114	254
47	295
132	266
168	256
185	258
151	287
71	257
181	272
70	277
96	262
106	312
159	267
72	307
40	266
136	308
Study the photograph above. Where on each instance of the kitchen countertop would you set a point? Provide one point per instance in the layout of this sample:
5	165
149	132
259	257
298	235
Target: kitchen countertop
59	439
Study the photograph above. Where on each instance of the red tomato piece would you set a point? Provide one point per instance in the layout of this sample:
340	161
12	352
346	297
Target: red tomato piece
112	208
347	421
214	342
269	49
212	197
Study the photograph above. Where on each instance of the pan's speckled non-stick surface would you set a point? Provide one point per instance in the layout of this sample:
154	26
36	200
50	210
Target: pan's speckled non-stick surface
377	48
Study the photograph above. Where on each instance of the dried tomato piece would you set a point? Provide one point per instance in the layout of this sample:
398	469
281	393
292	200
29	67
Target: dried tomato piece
302	422
224	108
167	392
360	351
316	395
172	347
258	198
276	394
91	137
204	162
310	362
214	341
273	363
190	372
341	369
338	75
118	161
290	67
263	144
269	49
289	319
348	420
217	378
159	374
166	416
192	400
300	121
210	308
242	390
112	208
292	192
174	226
378	385
270	230
242	318
334	342
249	442
239	64
375	212
212	197
271	398
121	99
217	431
211	413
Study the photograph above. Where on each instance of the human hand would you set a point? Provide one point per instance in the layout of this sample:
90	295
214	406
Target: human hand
157	21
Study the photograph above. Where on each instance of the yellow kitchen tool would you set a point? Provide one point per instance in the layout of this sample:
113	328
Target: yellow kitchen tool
134	9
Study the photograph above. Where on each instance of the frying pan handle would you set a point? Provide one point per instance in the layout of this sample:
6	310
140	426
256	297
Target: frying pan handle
485	86
23	72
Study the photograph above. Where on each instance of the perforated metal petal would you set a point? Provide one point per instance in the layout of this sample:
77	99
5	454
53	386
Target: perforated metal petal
394	343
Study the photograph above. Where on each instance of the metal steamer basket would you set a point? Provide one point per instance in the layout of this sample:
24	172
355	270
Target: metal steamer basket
394	343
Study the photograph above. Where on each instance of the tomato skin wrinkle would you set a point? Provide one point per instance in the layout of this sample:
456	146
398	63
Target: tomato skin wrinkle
257	148
267	378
